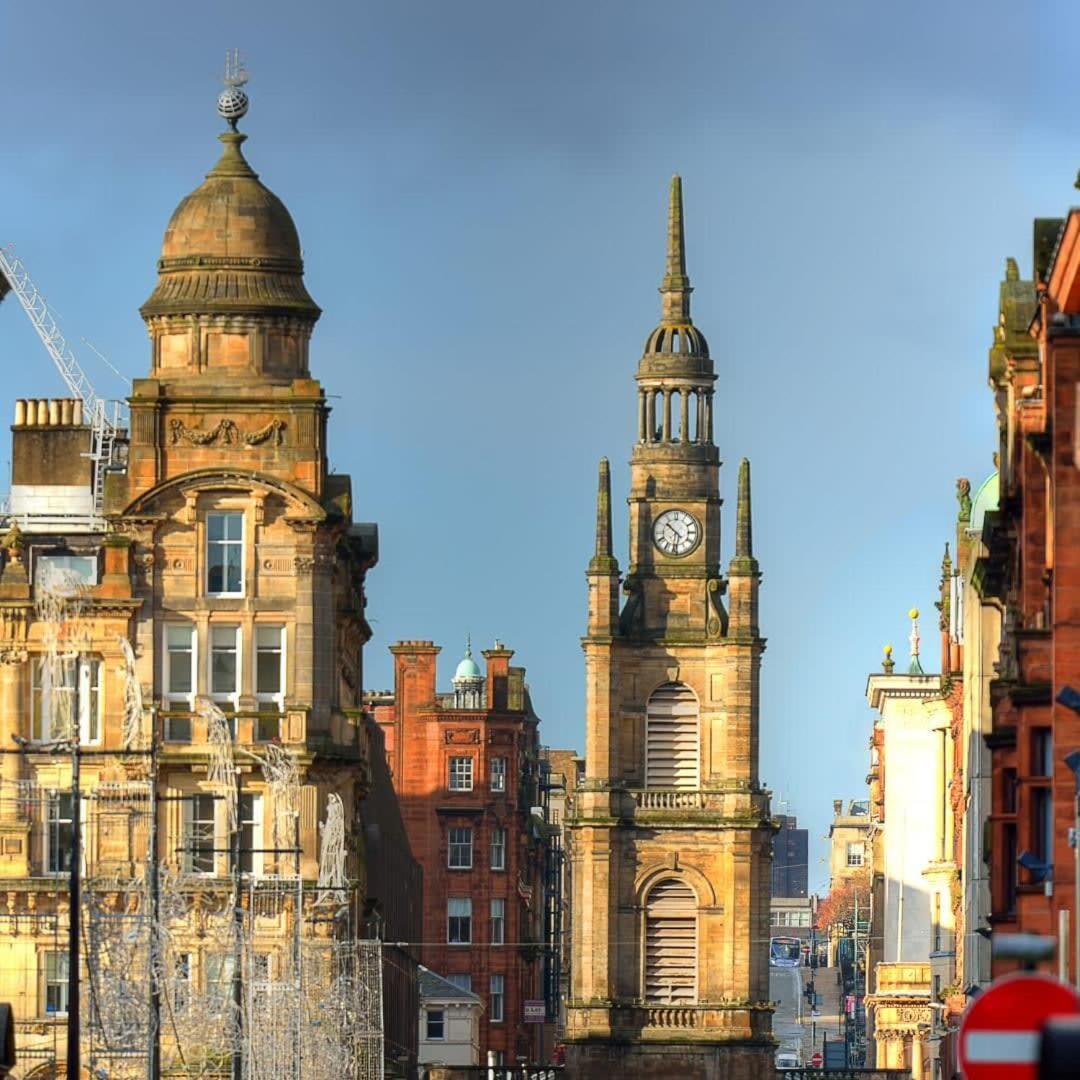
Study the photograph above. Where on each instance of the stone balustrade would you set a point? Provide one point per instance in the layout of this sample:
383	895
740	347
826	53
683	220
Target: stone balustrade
669	799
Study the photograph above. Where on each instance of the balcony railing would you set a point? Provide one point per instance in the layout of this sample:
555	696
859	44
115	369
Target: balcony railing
669	799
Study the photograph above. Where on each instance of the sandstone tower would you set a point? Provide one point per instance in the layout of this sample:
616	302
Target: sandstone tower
670	839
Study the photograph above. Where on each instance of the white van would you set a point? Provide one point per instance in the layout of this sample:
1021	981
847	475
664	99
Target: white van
787	1058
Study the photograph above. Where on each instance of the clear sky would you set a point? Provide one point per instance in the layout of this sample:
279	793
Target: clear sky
480	188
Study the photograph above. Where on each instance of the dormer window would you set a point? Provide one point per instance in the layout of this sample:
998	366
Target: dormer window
225	554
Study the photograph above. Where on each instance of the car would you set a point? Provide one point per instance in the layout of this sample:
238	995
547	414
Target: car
788	1059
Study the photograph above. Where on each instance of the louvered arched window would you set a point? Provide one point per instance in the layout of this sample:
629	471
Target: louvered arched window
671	944
671	738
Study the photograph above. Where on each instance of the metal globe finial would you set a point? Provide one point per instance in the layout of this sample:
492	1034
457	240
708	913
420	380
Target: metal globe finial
232	102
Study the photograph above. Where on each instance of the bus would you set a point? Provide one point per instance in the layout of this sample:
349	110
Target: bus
785	951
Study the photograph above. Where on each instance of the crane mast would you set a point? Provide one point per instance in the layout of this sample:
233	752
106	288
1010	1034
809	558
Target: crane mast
104	428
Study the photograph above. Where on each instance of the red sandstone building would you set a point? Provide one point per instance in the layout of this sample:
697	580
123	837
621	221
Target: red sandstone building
1032	571
465	768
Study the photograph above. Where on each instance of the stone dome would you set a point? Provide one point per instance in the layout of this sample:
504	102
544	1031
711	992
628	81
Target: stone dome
231	247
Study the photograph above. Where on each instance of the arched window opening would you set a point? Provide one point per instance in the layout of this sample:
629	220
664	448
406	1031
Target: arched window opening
671	738
671	960
676	399
695	398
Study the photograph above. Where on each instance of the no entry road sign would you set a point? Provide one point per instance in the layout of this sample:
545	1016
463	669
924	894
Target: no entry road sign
816	1060
999	1034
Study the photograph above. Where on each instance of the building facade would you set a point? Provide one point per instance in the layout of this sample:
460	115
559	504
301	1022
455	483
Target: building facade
671	836
465	766
183	623
1026	570
790	869
849	836
911	962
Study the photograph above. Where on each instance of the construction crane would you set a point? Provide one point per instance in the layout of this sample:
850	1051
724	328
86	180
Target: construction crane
104	428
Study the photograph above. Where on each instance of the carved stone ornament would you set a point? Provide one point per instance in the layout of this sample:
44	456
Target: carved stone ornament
13	656
227	431
462	736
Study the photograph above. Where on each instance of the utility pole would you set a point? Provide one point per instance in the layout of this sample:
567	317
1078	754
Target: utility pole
238	949
153	1056
75	903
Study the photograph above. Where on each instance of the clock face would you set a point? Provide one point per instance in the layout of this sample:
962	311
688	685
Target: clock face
675	532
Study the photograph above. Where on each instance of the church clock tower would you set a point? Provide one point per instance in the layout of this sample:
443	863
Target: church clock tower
671	836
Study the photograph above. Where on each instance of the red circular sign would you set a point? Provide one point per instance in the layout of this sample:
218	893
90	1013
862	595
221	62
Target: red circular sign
999	1033
817	1059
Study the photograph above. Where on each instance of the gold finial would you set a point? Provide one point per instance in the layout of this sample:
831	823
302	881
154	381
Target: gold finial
888	650
913	613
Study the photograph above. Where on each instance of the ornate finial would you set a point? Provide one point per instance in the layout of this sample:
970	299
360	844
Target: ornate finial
1012	270
944	602
744	533
914	667
743	563
468	645
232	102
603	561
963	497
675	288
888	663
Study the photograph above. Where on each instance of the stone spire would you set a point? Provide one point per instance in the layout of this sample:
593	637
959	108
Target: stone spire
675	289
744	562
603	561
603	572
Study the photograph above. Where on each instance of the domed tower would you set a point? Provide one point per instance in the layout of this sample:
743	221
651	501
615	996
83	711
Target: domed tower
671	836
230	322
468	681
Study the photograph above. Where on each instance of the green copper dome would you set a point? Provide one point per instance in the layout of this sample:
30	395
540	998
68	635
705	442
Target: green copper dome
468	668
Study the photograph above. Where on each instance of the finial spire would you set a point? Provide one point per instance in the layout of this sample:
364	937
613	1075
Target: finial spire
887	662
744	530
468	645
232	102
675	288
603	560
914	667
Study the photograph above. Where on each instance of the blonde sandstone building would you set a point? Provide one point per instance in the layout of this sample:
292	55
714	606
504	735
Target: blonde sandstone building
223	568
671	837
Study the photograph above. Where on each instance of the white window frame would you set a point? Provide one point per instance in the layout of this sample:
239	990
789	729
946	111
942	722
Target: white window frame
273	700
170	698
428	1014
228	701
461	773
855	848
498	774
218	985
86	686
226	544
464	912
181	981
187	855
51	847
499	834
498	921
456	845
251	856
497	995
59	980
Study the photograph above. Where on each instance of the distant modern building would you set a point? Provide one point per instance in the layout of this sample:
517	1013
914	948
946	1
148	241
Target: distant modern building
790	854
449	1026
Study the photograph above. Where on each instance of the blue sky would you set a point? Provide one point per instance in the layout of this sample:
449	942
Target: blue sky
480	188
